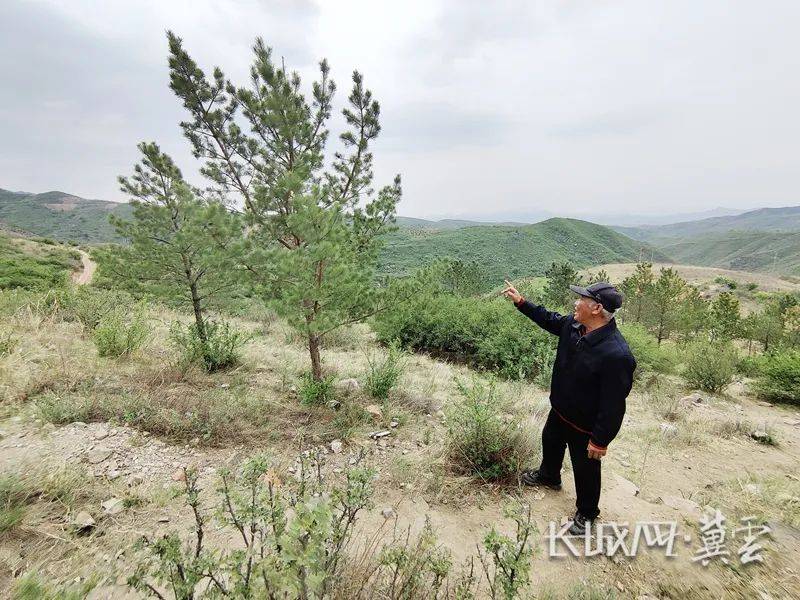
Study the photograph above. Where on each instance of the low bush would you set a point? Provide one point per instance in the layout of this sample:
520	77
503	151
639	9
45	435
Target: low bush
118	335
88	306
219	351
382	375
710	366
778	378
650	356
295	535
481	440
316	392
488	334
8	343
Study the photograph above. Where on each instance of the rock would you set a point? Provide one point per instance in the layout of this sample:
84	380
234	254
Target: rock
388	513
336	446
753	488
163	519
668	429
225	386
792	422
113	506
627	487
83	520
347	386
761	436
99	454
113	474
376	435
683	505
179	475
394	424
693	398
375	412
135	480
100	434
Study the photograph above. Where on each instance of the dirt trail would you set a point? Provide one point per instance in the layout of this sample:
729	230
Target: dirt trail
84	277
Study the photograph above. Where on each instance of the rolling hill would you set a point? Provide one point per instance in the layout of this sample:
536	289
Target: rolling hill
60	216
513	251
763	219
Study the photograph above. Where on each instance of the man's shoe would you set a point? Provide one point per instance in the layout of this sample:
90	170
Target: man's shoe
579	524
534	477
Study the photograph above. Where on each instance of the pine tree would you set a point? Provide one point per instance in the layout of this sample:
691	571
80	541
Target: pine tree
638	290
557	294
724	317
692	315
666	295
313	233
174	236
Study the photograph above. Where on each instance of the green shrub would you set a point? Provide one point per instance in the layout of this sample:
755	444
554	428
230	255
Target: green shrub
710	366
89	306
750	366
779	377
488	334
117	336
751	286
650	356
8	343
481	441
62	409
313	392
726	281
219	351
31	586
383	375
299	532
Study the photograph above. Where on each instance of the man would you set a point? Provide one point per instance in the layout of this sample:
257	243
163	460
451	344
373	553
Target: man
592	376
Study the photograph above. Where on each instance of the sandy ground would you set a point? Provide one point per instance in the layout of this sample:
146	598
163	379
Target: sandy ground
84	277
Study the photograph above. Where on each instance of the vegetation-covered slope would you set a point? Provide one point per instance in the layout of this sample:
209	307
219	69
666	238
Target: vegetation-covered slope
777	252
764	219
34	265
60	216
504	251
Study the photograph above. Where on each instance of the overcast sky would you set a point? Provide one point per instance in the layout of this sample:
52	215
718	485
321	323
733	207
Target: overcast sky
488	108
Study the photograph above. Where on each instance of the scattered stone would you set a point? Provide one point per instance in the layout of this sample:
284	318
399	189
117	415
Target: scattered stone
163	519
100	434
83	520
225	386
627	487
336	446
753	489
394	424
113	474
99	454
78	424
624	463
388	513
179	475
683	505
693	398
113	506
668	430
376	435
135	480
347	386
792	422
761	436
375	412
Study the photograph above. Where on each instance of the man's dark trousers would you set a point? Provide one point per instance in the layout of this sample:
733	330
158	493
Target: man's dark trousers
556	436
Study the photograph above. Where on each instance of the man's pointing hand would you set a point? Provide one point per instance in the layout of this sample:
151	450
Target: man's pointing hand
511	292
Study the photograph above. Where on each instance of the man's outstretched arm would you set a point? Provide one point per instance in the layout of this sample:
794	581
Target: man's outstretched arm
551	322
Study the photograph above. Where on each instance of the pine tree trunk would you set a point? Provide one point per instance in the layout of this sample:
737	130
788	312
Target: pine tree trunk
316	362
198	314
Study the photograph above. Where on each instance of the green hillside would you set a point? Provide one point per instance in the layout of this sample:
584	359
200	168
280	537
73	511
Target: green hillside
504	251
764	219
415	223
60	216
33	265
740	250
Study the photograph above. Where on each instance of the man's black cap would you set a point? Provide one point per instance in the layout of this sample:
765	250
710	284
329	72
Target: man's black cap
602	292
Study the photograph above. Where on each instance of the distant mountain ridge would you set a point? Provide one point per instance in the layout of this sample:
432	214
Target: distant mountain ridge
61	216
785	219
514	251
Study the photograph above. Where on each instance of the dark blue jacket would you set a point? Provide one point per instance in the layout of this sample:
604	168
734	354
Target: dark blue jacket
592	373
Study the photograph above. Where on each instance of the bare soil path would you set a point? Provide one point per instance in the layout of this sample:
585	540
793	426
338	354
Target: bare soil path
84	277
